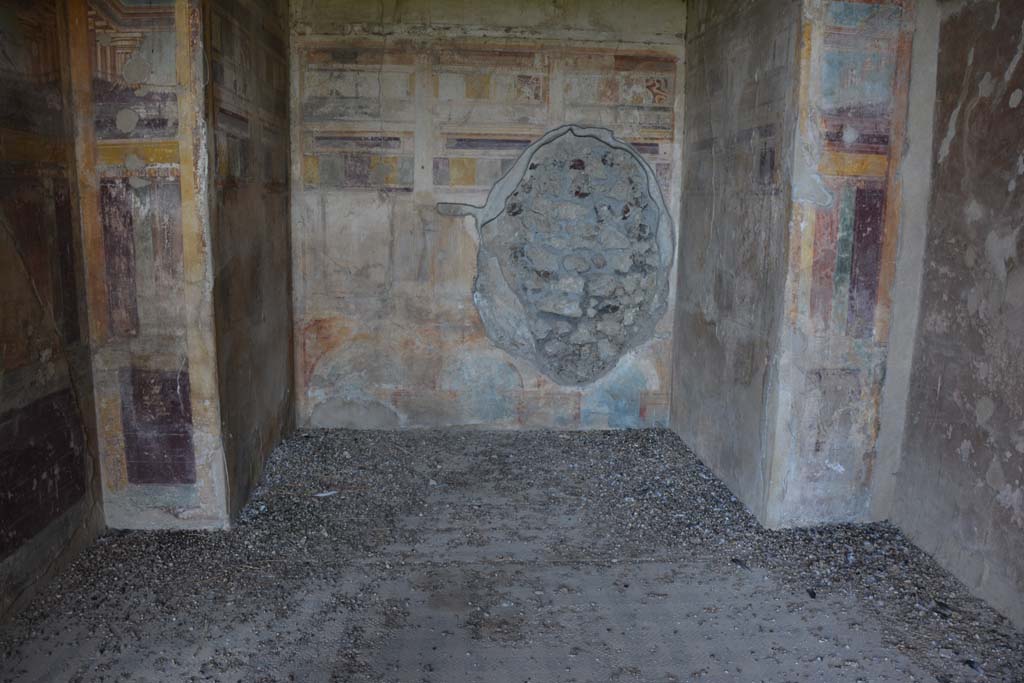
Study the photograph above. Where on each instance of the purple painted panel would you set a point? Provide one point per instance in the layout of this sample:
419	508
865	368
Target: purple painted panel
509	144
157	112
166	235
357	170
156	411
442	171
42	466
869	216
119	250
329	141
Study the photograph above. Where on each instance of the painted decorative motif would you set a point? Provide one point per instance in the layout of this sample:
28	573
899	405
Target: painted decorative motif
576	246
386	330
156	409
134	69
854	110
842	265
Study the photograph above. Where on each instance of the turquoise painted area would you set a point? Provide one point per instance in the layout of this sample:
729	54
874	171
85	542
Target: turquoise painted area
488	388
877	19
857	79
844	258
616	396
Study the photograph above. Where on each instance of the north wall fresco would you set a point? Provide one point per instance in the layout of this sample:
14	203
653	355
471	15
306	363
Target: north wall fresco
386	330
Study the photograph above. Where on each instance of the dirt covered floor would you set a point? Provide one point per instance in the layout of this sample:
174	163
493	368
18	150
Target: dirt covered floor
448	556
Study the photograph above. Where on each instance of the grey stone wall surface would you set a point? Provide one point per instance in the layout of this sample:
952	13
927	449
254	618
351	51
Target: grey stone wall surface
576	247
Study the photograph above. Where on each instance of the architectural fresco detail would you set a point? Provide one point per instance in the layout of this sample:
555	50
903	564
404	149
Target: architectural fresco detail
134	70
387	330
135	115
842	261
576	247
143	159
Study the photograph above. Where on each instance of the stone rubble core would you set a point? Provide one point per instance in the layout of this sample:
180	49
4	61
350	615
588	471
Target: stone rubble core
576	248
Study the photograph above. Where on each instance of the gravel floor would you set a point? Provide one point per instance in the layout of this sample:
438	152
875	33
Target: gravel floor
450	556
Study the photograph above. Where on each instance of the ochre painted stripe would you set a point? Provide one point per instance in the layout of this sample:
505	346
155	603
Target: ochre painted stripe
846	165
16	145
150	152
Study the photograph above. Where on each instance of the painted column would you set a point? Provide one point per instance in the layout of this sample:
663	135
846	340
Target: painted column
843	235
141	154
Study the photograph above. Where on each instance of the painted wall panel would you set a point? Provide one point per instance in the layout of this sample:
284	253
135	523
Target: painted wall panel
844	230
386	330
149	280
48	482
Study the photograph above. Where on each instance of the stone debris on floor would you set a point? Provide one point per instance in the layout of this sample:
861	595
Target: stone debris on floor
461	555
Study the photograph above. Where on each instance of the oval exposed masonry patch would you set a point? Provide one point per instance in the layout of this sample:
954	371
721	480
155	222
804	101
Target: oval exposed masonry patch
576	247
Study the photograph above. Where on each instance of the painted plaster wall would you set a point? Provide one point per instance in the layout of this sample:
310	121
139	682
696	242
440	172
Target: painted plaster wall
961	480
140	146
48	480
390	117
844	231
741	111
785	298
250	228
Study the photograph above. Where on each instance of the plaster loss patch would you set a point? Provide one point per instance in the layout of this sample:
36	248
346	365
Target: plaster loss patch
576	247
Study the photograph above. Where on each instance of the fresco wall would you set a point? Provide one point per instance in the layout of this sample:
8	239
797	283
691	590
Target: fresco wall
149	279
386	330
250	228
844	232
48	497
960	492
785	298
741	109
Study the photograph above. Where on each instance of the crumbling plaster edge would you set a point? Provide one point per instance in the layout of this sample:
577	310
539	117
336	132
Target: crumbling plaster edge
495	204
506	185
